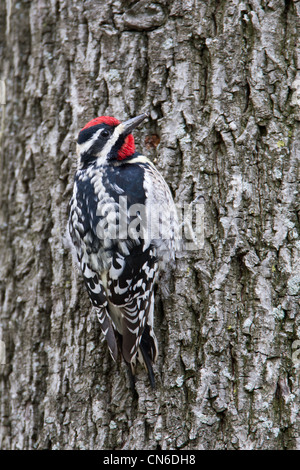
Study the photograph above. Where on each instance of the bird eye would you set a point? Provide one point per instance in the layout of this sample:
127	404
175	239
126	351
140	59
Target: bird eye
105	133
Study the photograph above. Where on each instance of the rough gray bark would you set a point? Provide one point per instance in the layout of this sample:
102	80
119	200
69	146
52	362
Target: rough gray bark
219	81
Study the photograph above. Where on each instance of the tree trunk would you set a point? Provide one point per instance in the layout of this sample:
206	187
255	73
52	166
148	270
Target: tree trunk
218	79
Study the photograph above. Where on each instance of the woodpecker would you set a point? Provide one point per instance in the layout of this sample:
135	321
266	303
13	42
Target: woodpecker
123	228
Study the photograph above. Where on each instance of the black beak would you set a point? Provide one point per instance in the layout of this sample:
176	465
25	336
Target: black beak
133	123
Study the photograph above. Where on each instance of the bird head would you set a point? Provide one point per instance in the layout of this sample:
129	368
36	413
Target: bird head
106	139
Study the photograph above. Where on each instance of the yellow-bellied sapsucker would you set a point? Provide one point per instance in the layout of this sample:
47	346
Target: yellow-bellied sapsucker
122	224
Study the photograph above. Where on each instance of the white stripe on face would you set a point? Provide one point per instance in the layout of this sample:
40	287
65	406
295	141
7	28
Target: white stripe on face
82	148
102	155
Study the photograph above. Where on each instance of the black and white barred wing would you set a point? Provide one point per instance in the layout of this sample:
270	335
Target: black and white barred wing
130	282
98	296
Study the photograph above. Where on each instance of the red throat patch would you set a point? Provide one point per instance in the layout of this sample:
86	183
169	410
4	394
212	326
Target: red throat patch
127	148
